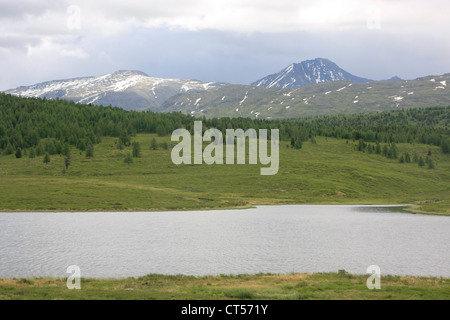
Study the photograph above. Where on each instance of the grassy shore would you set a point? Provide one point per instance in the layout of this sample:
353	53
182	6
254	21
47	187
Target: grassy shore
319	286
330	171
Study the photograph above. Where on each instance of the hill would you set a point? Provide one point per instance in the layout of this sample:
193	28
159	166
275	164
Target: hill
329	98
338	159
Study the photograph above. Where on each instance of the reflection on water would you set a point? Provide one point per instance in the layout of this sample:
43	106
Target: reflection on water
269	239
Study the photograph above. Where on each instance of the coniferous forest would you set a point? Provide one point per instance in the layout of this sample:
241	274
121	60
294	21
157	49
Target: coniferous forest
24	122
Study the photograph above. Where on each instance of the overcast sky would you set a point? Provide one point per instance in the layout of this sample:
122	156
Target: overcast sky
236	41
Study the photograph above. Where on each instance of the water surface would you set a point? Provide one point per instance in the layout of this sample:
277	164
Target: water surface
269	239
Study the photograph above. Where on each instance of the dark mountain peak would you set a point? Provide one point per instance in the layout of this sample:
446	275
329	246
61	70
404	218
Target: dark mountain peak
307	72
395	78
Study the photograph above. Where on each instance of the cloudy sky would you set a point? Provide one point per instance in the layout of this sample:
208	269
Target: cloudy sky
236	41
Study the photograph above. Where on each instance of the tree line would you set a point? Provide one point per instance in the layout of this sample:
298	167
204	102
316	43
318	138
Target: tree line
27	122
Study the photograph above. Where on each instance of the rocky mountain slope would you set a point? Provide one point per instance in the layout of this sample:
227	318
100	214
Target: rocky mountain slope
307	72
131	90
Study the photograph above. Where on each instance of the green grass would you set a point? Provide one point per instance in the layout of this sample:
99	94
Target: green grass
262	286
329	172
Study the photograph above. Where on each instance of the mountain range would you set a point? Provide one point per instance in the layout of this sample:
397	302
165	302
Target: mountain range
130	90
310	88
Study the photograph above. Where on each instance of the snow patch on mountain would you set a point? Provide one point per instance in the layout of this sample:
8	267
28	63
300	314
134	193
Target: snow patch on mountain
127	89
315	71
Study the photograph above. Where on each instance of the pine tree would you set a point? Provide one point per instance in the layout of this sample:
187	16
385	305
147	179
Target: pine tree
125	139
120	145
67	161
378	149
19	153
393	151
39	150
407	158
154	145
128	159
430	164
136	149
66	150
46	158
89	151
361	145
421	162
32	153
9	149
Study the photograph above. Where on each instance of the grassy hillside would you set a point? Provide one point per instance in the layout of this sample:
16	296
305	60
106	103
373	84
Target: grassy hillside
330	98
262	286
328	171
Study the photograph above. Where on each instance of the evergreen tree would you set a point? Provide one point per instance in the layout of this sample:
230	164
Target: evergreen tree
165	146
39	150
128	158
445	145
136	149
125	138
407	158
32	153
89	151
160	130
50	147
298	144
67	161
19	153
154	145
120	145
421	162
393	151
66	150
361	145
378	149
430	164
9	149
402	159
46	158
59	148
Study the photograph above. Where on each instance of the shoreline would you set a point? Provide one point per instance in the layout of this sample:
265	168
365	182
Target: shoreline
295	286
411	208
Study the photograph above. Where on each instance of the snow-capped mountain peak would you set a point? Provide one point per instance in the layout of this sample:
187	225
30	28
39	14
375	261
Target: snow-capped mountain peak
128	89
300	74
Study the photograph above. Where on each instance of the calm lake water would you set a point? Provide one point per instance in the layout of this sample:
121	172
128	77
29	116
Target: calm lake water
275	239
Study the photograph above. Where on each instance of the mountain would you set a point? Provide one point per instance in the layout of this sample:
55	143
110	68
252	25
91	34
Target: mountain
395	78
126	89
134	90
307	72
326	98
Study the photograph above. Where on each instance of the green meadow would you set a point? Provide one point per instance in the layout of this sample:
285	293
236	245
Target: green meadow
327	171
319	286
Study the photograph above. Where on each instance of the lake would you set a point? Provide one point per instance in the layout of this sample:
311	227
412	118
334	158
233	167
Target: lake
268	239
